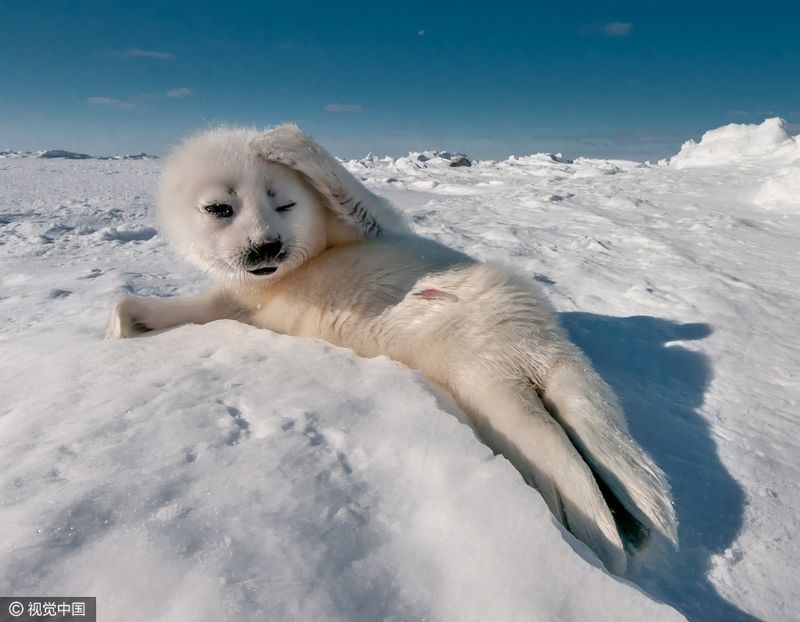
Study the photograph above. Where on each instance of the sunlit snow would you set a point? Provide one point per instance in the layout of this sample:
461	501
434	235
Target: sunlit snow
222	472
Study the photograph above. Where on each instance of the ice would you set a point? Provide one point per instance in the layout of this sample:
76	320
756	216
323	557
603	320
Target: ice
222	472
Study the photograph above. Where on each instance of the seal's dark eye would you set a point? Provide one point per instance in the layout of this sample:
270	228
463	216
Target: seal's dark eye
285	208
220	210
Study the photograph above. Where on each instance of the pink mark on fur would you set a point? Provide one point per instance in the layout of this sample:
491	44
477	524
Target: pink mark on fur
436	294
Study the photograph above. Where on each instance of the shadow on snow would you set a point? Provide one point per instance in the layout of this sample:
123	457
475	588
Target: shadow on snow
661	385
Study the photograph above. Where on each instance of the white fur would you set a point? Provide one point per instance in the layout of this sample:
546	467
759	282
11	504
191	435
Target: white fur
355	276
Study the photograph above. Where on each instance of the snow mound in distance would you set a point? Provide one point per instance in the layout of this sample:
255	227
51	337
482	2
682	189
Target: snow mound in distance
61	153
72	155
132	156
433	158
737	143
11	153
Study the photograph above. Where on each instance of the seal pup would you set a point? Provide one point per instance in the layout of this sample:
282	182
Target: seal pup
294	243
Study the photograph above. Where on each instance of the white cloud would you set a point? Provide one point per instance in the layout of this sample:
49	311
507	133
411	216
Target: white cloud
179	92
344	107
139	53
618	29
111	101
610	29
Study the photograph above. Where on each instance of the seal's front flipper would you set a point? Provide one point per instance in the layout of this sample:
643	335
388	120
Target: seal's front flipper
133	316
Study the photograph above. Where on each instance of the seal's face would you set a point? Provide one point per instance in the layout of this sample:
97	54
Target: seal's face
240	218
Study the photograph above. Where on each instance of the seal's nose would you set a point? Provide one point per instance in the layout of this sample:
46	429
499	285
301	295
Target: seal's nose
264	251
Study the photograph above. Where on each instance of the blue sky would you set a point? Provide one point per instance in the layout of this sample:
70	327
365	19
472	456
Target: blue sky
614	79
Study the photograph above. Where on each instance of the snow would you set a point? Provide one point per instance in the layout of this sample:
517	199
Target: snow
781	188
223	472
736	143
770	154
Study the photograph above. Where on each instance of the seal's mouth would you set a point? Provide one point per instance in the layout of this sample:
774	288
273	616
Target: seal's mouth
263	271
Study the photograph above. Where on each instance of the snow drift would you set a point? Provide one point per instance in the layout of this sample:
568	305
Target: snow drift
232	473
767	149
740	143
781	188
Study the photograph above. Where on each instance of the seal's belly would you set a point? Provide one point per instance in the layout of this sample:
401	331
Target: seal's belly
350	296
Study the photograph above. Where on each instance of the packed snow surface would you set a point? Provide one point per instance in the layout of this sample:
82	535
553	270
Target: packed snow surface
222	472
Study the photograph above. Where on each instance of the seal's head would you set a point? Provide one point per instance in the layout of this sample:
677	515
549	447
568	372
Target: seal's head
241	218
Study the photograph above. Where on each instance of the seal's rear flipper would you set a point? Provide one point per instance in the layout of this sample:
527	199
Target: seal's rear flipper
511	418
588	410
